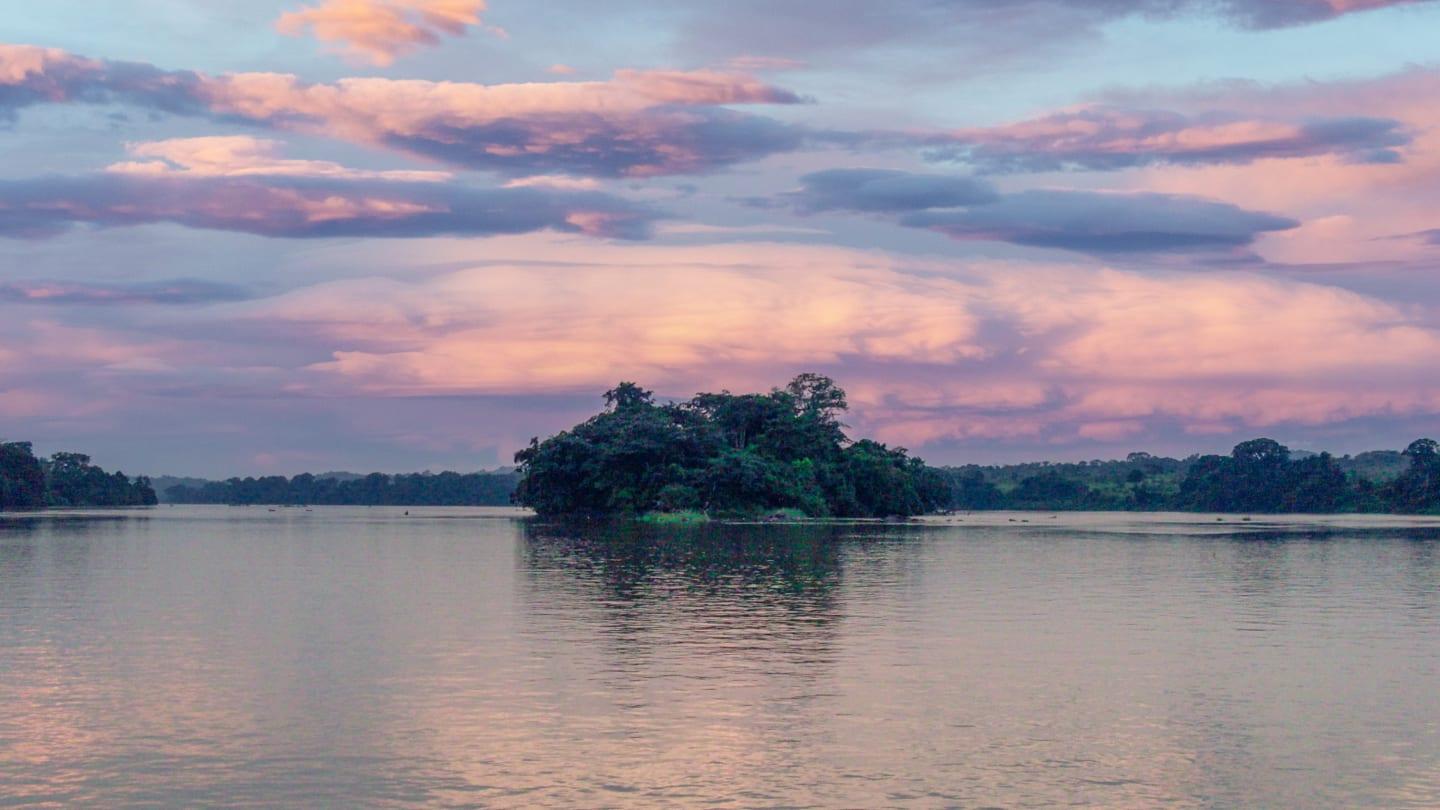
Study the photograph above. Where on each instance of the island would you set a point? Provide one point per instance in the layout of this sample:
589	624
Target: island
731	455
785	453
781	454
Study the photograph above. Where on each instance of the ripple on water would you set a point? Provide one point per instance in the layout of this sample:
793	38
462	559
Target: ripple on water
348	657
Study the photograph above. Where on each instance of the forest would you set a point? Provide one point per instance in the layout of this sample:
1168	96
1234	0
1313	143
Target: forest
726	455
64	480
736	455
1260	475
375	489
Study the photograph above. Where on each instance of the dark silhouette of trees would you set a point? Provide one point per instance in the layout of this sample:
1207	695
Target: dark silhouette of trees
968	489
724	453
1260	476
22	480
375	489
72	480
65	479
1418	488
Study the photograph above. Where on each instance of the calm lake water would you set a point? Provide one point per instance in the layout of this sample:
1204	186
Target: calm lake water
453	658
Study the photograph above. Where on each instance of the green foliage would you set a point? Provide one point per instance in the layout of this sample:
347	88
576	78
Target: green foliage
22	480
71	480
1418	488
1260	475
375	489
673	518
724	453
65	479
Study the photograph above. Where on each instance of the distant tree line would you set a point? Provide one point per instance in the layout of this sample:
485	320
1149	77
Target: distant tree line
1260	475
743	454
64	479
376	489
725	454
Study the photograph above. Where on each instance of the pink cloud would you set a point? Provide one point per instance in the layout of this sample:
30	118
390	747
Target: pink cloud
243	156
379	31
243	184
640	122
1280	13
929	350
1352	210
1099	137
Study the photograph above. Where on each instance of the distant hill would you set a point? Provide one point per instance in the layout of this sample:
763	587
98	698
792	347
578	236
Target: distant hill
164	482
1377	465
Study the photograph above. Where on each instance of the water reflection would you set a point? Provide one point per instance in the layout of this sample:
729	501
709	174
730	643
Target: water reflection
787	567
369	658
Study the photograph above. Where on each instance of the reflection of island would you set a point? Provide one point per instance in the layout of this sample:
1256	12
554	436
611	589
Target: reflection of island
720	602
660	649
787	565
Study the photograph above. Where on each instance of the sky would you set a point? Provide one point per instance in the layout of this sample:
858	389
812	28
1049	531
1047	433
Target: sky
246	237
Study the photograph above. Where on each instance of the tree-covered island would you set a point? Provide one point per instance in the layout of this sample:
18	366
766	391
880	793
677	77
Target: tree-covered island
746	454
725	454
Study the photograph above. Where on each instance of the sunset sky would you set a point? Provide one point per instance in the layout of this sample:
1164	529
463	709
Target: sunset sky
269	236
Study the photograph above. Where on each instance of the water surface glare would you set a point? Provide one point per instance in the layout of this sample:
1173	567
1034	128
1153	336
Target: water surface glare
211	656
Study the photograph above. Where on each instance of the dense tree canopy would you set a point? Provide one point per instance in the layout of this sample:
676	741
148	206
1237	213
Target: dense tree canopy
22	480
375	489
726	454
1260	475
741	454
65	479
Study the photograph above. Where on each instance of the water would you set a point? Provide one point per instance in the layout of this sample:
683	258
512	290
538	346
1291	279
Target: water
365	658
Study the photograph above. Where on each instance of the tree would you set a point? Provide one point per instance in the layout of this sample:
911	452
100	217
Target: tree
1259	476
729	453
628	396
71	480
1417	490
22	480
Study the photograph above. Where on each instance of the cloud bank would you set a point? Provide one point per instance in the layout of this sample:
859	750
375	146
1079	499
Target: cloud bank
1101	138
1096	222
240	184
639	123
932	350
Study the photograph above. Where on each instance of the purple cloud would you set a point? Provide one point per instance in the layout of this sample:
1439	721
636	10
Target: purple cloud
1101	222
638	123
1099	138
1082	221
309	207
989	32
882	190
180	291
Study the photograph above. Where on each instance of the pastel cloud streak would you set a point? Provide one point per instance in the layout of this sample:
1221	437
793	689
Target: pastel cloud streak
1085	221
245	156
1105	138
240	184
987	32
183	291
1353	210
379	31
641	122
